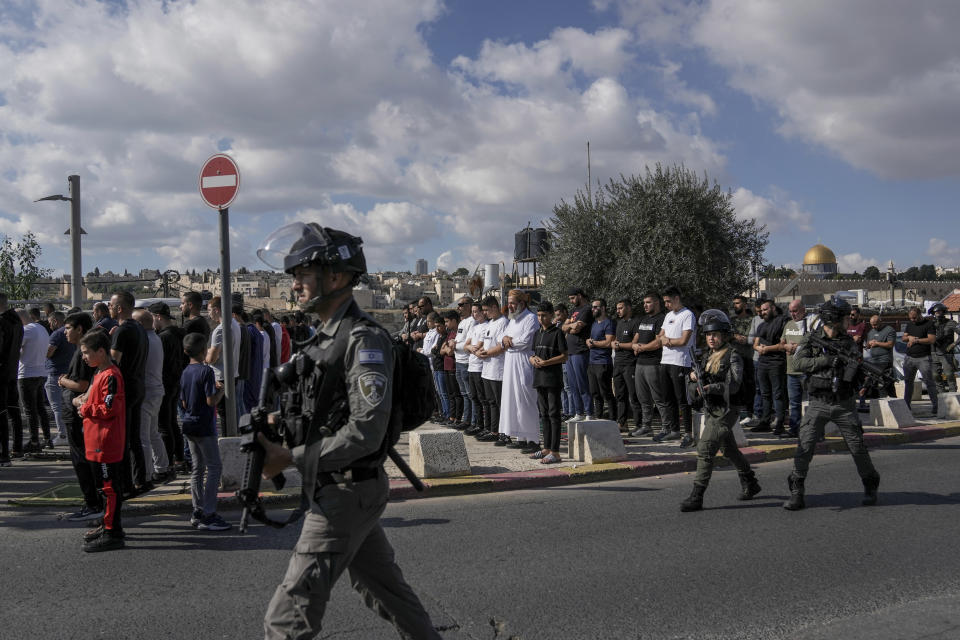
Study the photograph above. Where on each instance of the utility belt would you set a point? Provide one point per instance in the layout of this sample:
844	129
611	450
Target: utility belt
348	475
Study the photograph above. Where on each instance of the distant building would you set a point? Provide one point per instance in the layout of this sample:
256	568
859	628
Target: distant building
819	261
421	269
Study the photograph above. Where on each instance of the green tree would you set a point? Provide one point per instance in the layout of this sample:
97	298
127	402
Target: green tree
638	233
872	273
778	272
928	272
18	266
462	271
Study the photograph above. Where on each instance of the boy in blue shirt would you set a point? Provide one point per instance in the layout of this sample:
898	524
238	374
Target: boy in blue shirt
199	395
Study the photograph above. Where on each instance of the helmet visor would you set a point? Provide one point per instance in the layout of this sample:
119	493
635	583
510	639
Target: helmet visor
287	240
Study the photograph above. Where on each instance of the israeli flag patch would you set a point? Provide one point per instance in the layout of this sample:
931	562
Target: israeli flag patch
370	356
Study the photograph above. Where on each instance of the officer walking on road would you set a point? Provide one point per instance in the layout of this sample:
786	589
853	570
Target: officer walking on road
343	475
722	369
833	389
944	346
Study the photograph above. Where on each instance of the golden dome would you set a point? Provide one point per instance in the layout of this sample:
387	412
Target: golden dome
819	254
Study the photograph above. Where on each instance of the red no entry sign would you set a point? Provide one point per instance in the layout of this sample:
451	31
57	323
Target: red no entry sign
219	181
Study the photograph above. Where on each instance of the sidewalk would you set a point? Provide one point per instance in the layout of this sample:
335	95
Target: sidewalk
501	469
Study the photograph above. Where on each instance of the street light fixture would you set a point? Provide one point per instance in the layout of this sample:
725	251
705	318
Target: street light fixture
75	231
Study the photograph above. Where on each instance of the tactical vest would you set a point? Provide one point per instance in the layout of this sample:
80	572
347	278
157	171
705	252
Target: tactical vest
723	371
820	382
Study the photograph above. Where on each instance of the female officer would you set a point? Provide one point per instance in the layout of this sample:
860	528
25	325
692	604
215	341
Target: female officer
722	370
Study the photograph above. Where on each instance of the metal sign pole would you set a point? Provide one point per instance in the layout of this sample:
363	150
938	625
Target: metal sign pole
77	277
226	352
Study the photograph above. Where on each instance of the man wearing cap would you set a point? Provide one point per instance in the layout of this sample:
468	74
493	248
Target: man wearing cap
576	328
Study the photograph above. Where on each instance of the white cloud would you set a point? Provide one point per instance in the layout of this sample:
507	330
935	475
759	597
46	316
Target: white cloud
850	262
445	260
778	213
942	253
319	102
878	84
678	91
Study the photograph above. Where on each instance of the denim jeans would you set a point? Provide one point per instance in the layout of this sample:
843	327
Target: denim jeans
579	386
925	366
463	382
154	451
440	383
205	479
55	398
772	379
566	402
34	413
795	393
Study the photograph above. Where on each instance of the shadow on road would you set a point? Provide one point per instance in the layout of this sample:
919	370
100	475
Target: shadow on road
415	522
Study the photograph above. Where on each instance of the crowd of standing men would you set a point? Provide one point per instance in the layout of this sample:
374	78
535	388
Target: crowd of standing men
41	367
502	375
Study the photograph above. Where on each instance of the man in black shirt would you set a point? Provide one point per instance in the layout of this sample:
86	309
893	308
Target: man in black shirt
625	365
191	304
11	339
919	334
549	354
648	373
129	350
174	361
577	329
771	369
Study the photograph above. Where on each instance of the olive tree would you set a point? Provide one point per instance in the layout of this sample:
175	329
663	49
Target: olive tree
668	227
18	266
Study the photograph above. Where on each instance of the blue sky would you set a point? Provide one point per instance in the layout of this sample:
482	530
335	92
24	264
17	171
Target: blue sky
437	130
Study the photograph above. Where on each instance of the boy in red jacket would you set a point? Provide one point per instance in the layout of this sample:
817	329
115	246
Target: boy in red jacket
103	409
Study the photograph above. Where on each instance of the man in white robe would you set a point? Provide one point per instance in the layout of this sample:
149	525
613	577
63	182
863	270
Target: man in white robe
518	412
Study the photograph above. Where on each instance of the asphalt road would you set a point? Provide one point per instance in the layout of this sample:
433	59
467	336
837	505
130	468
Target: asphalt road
610	560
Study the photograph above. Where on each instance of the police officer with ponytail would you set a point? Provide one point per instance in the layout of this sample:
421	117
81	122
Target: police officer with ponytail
348	392
717	394
833	387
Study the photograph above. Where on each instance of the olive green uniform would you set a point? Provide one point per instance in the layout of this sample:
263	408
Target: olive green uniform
721	388
832	398
345	486
943	347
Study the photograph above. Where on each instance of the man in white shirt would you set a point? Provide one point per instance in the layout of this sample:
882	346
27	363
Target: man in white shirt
215	351
678	334
467	322
154	451
31	375
480	413
492	353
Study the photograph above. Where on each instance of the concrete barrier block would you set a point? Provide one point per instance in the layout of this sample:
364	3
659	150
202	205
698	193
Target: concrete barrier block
435	453
738	435
892	413
900	388
948	406
600	441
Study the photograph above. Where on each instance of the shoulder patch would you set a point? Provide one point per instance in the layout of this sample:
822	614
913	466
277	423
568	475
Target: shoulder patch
370	356
372	387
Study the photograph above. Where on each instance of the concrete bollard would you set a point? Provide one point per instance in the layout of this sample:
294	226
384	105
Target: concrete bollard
891	413
948	406
900	388
597	441
435	453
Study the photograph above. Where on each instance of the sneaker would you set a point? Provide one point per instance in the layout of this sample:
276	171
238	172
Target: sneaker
660	436
85	513
532	447
686	442
196	517
673	435
472	431
5	462
576	418
502	440
49	443
106	542
32	447
61	441
518	444
642	431
213	522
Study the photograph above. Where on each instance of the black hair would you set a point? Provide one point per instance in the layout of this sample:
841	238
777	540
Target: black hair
79	319
491	301
672	291
451	315
625	301
96	340
561	307
653	294
545	306
194	344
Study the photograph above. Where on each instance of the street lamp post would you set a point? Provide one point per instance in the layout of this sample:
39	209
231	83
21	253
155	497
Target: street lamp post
75	231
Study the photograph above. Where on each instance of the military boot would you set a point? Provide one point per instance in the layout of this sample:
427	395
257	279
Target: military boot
749	486
795	503
695	501
870	491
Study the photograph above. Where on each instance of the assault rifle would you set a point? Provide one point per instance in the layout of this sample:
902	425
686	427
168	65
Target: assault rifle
699	373
875	377
287	426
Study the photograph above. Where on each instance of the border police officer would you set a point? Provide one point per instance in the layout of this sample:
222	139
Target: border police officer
343	478
832	387
943	347
722	369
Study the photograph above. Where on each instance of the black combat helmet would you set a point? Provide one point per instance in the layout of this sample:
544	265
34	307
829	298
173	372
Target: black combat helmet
834	310
300	244
714	320
938	307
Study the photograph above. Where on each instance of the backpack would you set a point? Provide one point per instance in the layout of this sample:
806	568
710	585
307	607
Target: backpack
413	402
